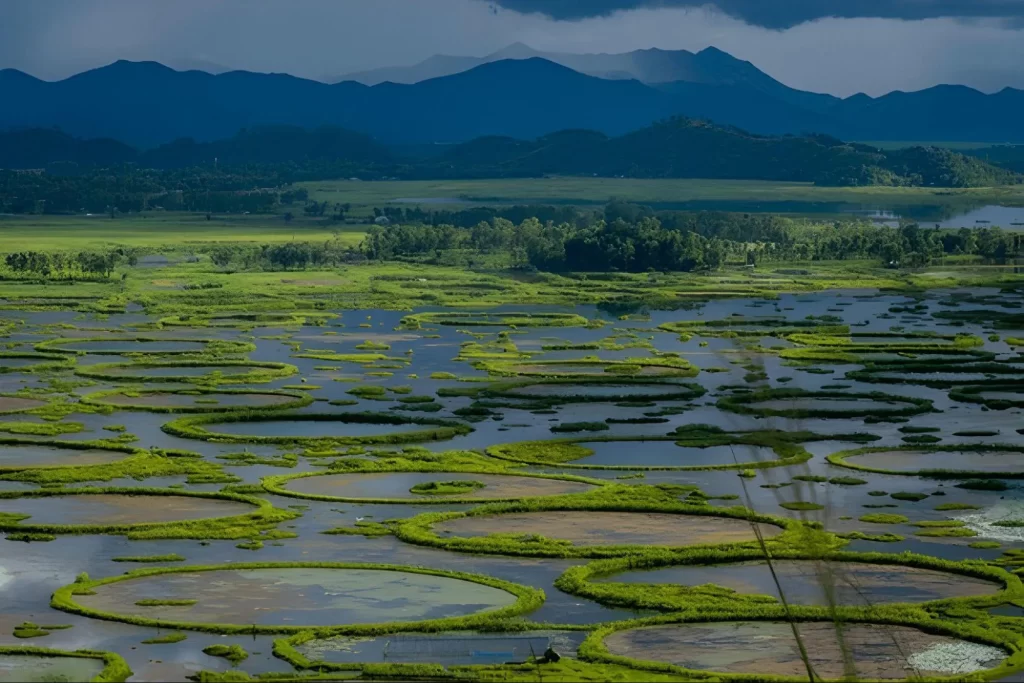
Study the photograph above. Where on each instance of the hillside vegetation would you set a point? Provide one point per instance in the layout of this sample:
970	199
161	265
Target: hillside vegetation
675	148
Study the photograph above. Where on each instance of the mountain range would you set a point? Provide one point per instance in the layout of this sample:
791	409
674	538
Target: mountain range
514	93
674	148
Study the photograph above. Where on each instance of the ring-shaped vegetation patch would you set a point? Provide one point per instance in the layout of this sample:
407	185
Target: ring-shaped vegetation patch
493	319
953	461
883	642
712	578
800	404
198	400
139	513
723	450
17	454
333	595
247	320
940	375
144	346
613	521
590	368
562	391
29	361
419	487
993	396
15	403
751	326
215	372
419	429
26	663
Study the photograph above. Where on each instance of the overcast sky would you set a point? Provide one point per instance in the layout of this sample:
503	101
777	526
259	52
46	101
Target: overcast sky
836	46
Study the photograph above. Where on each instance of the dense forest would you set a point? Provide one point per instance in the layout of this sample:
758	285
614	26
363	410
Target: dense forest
630	238
251	171
622	238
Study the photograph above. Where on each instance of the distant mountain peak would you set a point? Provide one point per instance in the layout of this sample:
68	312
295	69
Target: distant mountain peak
515	51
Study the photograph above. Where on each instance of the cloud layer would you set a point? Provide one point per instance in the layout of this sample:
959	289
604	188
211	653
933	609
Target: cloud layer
869	50
780	14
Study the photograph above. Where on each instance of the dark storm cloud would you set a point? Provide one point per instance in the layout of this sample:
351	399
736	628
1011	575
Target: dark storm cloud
781	14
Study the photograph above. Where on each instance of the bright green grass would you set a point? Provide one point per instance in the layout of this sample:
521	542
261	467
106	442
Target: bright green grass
600	190
56	233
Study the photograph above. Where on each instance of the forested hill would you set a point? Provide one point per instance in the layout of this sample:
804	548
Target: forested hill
689	148
676	148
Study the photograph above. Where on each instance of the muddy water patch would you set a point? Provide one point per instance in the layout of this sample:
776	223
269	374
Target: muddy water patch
118	509
297	596
599	528
909	461
769	648
804	582
18	404
25	455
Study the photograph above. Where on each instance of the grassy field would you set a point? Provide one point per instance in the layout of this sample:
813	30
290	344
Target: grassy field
54	233
596	191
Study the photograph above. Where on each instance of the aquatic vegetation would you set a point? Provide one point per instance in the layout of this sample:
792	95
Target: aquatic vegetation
564	451
503	319
233	653
168	639
136	346
884	518
114	668
264	517
196	400
1005	468
447	488
237	372
171	557
615	500
489	472
11	361
816	404
433	430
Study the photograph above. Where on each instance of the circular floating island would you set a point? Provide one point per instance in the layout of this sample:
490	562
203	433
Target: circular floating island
589	368
287	597
940	375
314	429
227	372
994	396
586	528
164	346
975	461
421	487
798	404
803	581
491	319
27	361
129	510
722	451
198	400
24	454
249	319
43	665
595	390
10	404
769	648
